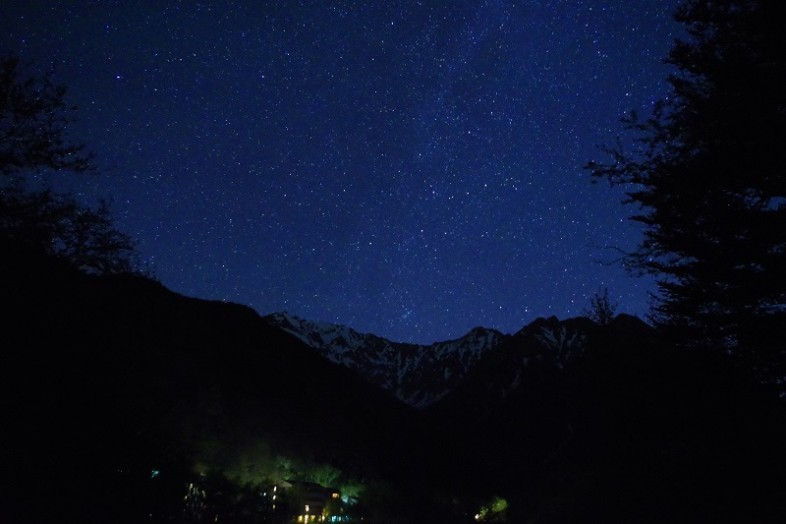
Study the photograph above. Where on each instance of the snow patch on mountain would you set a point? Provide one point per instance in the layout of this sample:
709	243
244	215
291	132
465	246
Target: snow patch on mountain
417	374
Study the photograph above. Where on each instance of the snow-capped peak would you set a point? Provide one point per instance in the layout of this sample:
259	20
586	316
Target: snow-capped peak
417	374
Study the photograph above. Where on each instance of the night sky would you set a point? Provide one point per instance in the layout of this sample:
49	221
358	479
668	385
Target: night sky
410	169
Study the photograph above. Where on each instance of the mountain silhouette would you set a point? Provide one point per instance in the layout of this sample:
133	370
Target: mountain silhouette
118	394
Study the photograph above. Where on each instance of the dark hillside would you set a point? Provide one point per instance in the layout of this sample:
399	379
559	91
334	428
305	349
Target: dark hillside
117	393
625	429
107	378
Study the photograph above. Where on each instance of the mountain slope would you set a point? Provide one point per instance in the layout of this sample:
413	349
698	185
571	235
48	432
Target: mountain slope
576	422
538	350
114	389
419	375
105	379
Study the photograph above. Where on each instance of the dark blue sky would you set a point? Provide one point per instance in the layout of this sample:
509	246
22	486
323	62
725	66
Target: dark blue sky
411	169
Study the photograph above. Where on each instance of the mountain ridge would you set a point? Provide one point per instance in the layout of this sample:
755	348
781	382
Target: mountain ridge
421	375
564	420
417	374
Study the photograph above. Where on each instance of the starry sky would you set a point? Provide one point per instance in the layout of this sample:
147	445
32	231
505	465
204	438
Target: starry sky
407	168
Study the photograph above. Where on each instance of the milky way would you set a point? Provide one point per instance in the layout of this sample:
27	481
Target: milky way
411	169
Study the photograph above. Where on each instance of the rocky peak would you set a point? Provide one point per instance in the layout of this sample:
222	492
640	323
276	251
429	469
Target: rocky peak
417	374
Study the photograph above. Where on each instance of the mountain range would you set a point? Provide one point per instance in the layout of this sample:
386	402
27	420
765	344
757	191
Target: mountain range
418	375
118	394
421	375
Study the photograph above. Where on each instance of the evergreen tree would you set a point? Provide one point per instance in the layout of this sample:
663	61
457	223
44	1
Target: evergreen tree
709	178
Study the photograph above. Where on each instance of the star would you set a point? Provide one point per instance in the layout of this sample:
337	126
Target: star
359	164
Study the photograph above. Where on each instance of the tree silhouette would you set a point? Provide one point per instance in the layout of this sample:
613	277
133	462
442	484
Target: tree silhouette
602	309
33	122
707	175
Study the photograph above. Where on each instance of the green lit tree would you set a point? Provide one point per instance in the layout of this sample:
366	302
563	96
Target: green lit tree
324	475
